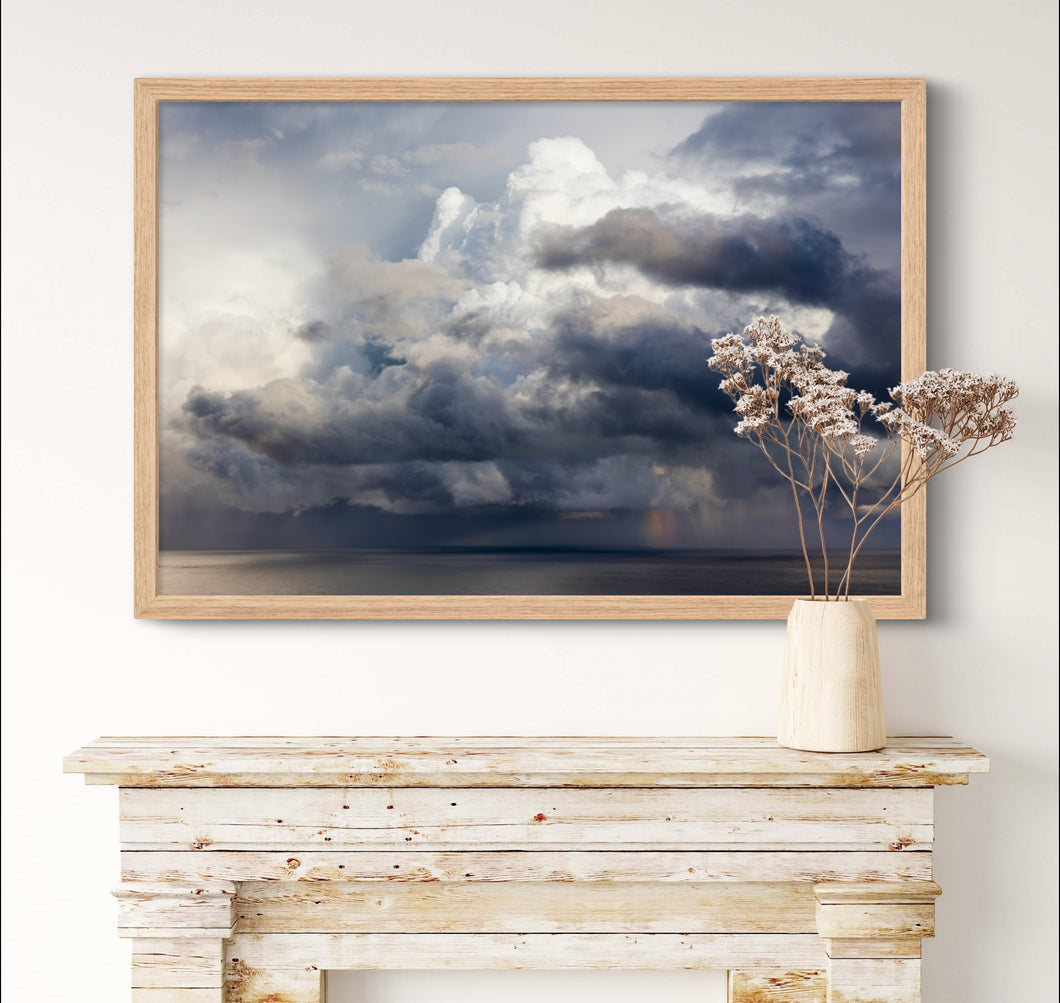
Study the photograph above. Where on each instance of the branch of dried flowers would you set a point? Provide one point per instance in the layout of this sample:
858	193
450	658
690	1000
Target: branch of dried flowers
937	414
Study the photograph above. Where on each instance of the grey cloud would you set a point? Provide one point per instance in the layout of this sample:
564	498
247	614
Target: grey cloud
789	258
610	390
836	162
313	331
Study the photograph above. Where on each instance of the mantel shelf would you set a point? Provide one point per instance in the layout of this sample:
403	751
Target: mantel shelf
515	762
252	866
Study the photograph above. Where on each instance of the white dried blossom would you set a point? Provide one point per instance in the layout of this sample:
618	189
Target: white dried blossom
826	408
923	438
968	407
758	407
862	444
866	402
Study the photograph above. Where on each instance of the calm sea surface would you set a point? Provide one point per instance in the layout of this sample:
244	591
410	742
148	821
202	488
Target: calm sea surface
504	572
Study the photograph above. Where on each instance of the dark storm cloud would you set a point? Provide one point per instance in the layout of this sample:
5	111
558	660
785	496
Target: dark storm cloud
789	258
621	387
813	138
447	416
651	355
837	162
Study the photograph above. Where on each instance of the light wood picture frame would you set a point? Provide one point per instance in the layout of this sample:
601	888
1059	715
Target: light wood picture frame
155	97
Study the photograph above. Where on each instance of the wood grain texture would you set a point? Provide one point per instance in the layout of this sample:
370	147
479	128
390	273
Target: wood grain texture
875	922
402	607
149	92
876	892
778	986
513	951
873	947
831	696
913	513
270	984
145	350
881	980
527	907
178	963
524	818
175	908
790	888
514	762
681	866
530	89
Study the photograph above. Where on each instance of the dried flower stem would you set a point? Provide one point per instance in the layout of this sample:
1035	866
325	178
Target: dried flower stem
802	414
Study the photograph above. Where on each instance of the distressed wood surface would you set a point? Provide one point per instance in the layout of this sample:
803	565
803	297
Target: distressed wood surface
512	951
806	895
886	920
847	892
178	963
873	913
271	984
873	947
467	818
526	865
173	908
881	980
527	907
778	986
513	762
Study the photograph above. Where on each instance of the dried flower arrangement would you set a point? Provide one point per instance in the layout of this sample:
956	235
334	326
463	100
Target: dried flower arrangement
812	428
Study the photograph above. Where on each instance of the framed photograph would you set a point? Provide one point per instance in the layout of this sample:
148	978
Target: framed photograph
432	348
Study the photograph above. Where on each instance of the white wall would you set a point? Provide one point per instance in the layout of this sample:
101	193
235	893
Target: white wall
982	667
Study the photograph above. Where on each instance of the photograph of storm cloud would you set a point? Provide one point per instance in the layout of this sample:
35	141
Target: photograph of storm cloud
461	348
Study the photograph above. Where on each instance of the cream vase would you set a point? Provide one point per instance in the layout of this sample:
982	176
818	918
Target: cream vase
831	699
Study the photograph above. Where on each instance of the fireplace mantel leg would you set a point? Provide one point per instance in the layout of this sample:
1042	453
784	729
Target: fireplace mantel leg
178	930
872	932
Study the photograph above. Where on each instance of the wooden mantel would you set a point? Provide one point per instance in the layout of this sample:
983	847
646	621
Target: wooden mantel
252	866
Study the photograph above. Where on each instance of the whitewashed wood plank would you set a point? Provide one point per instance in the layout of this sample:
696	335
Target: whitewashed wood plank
878	921
778	986
868	947
841	892
330	818
178	963
525	907
174	906
525	865
511	951
552	761
272	984
883	980
876	778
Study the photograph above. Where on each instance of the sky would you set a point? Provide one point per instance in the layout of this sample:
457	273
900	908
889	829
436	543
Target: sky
488	325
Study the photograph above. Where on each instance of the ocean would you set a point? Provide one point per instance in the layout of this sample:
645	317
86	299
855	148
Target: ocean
505	572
